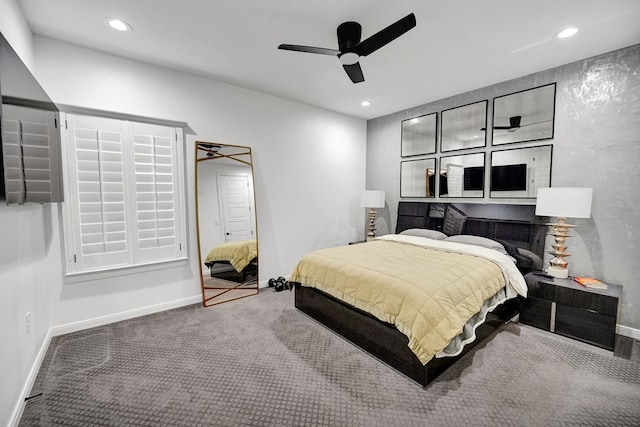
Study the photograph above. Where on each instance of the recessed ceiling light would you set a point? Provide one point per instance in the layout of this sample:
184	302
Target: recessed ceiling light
118	24
365	103
568	32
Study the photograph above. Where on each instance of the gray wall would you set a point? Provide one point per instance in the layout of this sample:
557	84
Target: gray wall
596	144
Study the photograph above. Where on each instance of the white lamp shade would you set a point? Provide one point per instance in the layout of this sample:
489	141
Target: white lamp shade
567	202
372	199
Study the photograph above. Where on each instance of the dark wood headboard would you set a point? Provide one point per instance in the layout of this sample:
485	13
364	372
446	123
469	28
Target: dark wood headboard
515	224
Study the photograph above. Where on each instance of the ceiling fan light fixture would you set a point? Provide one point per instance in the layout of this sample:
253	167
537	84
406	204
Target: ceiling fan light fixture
118	24
567	32
349	58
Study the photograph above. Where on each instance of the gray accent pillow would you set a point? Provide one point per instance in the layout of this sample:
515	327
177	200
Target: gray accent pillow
478	241
536	261
423	232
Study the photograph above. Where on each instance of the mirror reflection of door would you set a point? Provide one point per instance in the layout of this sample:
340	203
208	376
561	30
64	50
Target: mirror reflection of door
233	192
227	237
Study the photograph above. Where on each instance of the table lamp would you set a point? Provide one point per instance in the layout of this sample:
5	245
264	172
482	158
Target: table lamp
562	202
372	199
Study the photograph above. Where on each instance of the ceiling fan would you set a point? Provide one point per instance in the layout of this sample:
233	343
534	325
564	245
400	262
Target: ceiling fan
350	48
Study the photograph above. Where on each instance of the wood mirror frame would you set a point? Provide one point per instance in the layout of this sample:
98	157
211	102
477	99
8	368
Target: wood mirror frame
226	222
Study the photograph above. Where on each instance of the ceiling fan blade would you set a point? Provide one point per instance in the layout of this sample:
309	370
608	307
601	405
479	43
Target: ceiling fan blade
385	36
355	72
309	49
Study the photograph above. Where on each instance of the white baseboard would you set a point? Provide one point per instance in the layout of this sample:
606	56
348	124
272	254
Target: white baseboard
628	332
123	315
31	378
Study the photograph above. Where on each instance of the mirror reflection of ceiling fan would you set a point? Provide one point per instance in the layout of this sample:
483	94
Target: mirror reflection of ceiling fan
514	124
351	48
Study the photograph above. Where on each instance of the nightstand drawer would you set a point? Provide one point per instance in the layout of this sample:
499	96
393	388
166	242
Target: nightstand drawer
541	290
590	300
536	312
586	325
568	292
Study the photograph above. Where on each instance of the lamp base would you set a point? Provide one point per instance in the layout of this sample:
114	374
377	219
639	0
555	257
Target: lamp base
372	226
560	273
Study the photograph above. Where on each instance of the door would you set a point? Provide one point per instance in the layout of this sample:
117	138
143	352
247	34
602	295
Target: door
236	207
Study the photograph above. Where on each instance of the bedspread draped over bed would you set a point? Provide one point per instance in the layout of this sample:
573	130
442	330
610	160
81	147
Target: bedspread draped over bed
239	254
428	289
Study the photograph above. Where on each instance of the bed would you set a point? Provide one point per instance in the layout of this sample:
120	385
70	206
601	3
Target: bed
235	261
354	290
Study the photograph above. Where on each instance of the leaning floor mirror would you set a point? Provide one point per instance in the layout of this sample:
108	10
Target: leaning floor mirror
227	236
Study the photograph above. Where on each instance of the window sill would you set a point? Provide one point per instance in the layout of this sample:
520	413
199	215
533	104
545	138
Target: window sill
85	276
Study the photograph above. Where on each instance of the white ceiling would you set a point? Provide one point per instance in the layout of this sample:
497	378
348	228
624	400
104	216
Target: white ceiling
457	45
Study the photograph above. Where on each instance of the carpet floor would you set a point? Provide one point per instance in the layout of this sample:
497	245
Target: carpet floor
258	361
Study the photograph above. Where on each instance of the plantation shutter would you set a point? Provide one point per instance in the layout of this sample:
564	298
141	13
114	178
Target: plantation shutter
97	157
125	202
155	180
30	142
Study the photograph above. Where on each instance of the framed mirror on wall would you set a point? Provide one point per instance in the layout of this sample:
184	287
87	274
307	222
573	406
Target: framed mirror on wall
524	116
418	178
419	135
464	127
519	172
226	222
462	176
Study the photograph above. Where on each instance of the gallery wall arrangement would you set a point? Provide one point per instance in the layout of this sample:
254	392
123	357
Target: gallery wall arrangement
441	154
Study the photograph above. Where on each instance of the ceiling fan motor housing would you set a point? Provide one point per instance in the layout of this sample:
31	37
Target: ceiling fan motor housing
349	34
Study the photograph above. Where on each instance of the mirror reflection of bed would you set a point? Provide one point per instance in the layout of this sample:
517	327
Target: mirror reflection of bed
227	238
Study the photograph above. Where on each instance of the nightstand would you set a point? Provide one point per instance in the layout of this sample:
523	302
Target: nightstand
567	308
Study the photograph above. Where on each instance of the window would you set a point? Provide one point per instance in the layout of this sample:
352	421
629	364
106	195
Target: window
124	206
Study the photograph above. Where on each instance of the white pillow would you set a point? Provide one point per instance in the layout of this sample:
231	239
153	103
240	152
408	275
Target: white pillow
478	241
423	232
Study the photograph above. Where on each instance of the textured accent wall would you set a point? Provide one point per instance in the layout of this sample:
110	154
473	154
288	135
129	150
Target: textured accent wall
596	144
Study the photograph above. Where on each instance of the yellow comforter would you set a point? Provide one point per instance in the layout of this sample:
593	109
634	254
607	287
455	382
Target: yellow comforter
239	254
428	289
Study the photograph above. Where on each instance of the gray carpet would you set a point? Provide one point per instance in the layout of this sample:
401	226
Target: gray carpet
259	362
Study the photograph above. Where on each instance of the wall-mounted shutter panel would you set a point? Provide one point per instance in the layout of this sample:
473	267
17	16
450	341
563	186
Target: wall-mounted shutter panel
155	187
126	205
30	143
98	191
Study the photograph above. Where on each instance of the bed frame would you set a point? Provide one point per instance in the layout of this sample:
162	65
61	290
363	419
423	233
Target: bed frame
382	339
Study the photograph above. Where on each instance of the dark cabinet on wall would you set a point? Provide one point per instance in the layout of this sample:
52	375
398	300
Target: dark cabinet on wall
567	308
